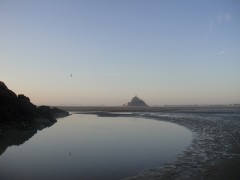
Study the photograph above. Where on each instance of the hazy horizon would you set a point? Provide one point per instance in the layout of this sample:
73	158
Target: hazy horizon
94	53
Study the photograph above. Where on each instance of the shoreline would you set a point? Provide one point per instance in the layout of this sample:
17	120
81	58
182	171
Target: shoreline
214	152
190	108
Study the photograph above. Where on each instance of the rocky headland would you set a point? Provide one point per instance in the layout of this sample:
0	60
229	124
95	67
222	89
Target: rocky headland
17	112
20	119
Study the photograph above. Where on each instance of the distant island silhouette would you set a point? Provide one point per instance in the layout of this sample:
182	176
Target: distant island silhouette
136	101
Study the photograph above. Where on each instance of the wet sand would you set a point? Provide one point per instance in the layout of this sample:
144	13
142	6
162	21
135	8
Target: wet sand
213	154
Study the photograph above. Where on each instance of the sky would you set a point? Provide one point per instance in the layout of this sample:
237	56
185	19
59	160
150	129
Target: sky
168	52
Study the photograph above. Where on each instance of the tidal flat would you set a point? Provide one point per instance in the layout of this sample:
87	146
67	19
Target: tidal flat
208	146
215	149
214	152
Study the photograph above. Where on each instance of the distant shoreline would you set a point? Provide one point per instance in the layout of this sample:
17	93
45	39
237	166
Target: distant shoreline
190	108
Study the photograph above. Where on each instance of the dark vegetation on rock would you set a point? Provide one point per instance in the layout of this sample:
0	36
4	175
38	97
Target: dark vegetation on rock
136	101
17	112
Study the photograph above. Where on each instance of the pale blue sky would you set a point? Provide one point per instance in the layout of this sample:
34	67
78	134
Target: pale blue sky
165	51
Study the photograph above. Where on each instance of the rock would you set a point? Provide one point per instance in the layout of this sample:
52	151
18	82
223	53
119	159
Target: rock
24	98
45	112
17	112
59	113
13	107
7	96
50	113
24	108
136	101
7	102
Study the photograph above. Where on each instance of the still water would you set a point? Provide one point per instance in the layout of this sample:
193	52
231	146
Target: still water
91	147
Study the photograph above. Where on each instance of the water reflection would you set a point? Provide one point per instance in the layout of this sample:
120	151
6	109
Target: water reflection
90	147
14	138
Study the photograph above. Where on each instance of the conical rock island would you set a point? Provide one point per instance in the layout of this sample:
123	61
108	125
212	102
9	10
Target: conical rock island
136	101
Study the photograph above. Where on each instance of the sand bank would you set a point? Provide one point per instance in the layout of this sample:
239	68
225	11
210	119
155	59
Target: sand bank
213	154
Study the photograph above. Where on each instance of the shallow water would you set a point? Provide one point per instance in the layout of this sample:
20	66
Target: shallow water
91	147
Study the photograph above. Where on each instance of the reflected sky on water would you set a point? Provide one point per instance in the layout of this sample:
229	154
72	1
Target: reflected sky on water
91	147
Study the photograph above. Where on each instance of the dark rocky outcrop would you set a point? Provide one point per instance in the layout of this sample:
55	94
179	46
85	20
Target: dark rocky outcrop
136	101
17	112
57	113
15	108
20	119
45	112
24	109
50	113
